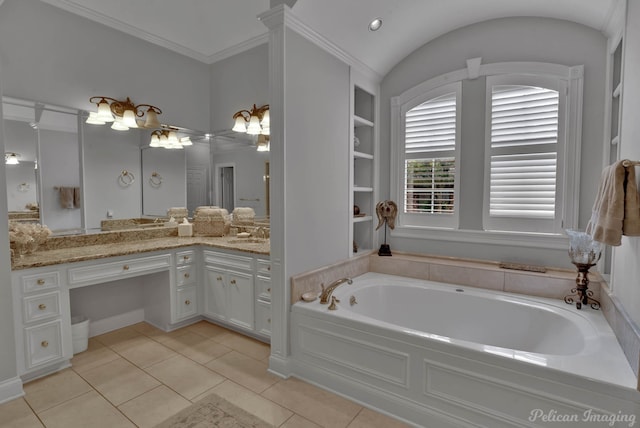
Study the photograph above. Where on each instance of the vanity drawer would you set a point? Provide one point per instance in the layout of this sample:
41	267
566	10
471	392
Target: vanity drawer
185	257
186	302
97	273
43	343
264	267
263	318
41	306
185	275
263	288
228	260
41	281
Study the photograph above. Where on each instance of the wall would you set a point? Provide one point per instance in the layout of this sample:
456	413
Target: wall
172	191
502	40
21	134
625	269
237	83
54	56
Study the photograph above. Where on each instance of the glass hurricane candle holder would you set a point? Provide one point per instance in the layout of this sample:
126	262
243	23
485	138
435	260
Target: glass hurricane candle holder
584	253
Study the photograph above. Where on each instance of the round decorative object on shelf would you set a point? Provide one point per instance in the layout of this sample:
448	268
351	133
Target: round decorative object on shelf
356	210
356	141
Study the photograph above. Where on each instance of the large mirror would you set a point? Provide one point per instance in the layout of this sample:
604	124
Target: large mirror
112	172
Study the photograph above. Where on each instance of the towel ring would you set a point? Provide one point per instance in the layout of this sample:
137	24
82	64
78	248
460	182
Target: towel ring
24	187
126	178
155	180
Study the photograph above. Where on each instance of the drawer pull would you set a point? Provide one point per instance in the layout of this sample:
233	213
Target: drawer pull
187	302
125	267
40	281
44	343
269	320
42	306
233	281
185	258
186	275
269	268
269	290
219	278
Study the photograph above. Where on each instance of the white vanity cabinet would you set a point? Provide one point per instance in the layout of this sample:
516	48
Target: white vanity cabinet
229	288
185	299
263	297
42	320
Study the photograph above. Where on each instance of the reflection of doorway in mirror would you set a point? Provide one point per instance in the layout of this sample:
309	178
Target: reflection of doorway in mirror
226	186
196	188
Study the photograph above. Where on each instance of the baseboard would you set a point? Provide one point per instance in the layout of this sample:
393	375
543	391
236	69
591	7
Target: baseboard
11	389
279	366
106	325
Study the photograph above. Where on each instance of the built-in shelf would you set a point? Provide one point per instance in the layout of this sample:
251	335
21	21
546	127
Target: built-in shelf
359	121
362	155
617	90
362	219
615	140
362	189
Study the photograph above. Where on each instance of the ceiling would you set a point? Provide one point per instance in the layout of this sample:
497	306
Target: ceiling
210	30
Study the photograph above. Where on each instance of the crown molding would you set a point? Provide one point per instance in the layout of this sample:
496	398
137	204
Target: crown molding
239	48
283	15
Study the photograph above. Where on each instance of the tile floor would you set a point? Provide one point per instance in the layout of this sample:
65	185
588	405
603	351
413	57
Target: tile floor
139	375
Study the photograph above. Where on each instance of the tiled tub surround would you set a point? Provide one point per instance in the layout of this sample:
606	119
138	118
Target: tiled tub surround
428	380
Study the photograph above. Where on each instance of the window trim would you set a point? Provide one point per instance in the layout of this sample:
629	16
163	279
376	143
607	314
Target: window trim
574	77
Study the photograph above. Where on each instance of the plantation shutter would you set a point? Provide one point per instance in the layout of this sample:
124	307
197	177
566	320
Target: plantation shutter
430	147
523	151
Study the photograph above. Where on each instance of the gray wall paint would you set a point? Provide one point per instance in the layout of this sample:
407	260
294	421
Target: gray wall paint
626	270
237	83
316	156
503	40
57	57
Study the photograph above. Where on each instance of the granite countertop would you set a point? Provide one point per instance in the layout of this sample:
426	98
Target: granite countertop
48	257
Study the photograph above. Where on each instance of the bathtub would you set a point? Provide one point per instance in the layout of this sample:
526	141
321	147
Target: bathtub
435	354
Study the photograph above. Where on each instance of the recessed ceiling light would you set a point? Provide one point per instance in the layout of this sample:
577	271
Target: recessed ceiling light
375	24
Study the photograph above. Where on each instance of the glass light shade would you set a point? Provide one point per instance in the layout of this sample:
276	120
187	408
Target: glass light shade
254	126
164	140
265	131
266	120
129	119
93	119
152	119
240	125
186	141
155	141
263	147
104	112
173	138
117	125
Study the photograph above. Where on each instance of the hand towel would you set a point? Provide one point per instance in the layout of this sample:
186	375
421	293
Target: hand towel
631	222
76	197
66	197
607	214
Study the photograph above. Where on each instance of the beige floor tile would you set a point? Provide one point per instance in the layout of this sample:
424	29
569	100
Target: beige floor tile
253	403
154	406
87	410
170	335
207	329
18	414
196	347
119	339
119	381
313	403
248	346
184	376
146	352
95	355
297	421
147	329
244	370
368	418
47	392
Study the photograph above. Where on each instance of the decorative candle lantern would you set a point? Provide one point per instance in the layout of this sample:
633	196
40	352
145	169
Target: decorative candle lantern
584	253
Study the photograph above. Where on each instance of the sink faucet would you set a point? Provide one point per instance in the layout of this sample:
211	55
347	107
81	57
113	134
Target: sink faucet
326	292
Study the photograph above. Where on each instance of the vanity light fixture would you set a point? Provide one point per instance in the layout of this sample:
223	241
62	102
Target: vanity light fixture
168	139
254	122
11	159
123	114
375	24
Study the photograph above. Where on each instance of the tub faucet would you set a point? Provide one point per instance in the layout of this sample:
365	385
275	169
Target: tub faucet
326	292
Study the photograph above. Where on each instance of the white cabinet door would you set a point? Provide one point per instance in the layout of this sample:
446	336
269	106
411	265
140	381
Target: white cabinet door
240	295
215	294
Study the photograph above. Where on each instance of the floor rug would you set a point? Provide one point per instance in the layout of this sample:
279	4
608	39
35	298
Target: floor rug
213	411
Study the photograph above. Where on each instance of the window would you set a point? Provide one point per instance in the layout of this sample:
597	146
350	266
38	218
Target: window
524	141
430	147
519	177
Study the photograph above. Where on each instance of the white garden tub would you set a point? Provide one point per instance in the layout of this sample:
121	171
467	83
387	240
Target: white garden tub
446	355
